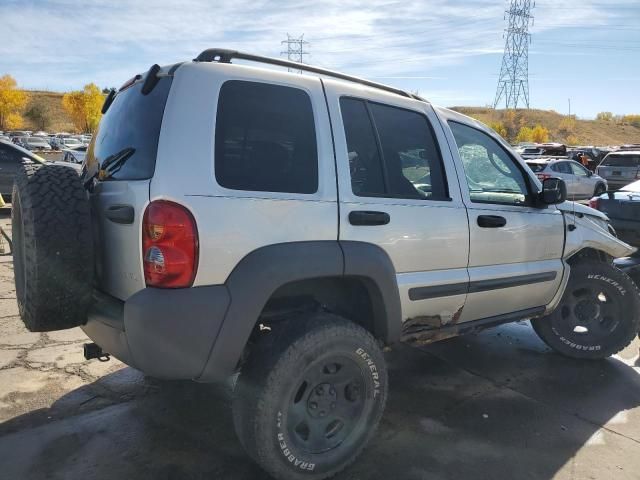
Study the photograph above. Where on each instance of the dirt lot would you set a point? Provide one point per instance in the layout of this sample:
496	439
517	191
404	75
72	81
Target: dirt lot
497	405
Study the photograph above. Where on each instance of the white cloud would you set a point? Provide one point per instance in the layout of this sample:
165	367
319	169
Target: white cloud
62	44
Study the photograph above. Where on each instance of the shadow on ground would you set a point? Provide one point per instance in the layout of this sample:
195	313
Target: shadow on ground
497	405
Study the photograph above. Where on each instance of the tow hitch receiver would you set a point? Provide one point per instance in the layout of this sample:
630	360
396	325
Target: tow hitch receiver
91	351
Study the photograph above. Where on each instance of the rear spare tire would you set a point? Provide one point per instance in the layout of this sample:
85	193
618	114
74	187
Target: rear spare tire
52	247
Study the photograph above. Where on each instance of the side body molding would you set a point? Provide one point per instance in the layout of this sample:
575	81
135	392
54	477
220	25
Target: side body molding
258	275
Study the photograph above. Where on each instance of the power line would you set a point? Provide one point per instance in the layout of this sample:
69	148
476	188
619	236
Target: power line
295	49
513	83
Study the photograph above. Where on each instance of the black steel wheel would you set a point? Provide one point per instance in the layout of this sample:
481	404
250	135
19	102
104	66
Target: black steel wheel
598	315
327	405
310	396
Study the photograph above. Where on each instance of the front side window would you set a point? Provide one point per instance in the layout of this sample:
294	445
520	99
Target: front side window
392	152
265	139
492	174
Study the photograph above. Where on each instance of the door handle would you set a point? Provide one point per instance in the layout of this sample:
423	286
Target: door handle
365	217
123	214
491	221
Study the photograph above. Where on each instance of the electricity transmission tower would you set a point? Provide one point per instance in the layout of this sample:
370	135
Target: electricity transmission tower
295	49
513	84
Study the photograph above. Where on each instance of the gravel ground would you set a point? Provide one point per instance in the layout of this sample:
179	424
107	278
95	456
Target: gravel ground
498	405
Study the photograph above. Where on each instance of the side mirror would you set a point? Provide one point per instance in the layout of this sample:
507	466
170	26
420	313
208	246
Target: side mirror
554	191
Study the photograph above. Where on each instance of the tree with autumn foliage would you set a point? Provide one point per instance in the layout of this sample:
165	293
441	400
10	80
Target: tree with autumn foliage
12	102
84	107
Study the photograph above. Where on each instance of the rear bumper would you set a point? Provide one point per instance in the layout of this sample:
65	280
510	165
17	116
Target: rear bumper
164	333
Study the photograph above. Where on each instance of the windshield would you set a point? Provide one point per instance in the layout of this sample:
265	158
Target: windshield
536	167
613	160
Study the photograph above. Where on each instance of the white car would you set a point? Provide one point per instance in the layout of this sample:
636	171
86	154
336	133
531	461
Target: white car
581	183
74	155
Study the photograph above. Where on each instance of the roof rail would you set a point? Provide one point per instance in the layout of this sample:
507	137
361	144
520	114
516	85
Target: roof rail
224	55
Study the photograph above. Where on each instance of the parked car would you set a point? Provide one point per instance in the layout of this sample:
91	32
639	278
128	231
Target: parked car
622	207
74	155
635	147
35	143
620	168
12	156
324	218
69	142
581	183
545	150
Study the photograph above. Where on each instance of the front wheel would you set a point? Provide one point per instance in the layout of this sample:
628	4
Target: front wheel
600	189
310	396
598	315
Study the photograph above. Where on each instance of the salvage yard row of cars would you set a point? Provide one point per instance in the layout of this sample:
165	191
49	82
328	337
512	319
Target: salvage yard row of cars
46	142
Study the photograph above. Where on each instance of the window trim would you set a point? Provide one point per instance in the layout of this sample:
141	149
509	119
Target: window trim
530	201
268	194
447	196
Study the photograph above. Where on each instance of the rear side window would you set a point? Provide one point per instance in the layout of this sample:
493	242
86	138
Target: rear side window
561	167
126	142
613	160
265	139
392	152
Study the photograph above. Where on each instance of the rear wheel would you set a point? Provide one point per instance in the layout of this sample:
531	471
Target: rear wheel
52	247
310	396
598	315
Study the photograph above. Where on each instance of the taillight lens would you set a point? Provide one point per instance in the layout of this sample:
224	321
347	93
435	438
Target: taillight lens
595	203
169	245
543	176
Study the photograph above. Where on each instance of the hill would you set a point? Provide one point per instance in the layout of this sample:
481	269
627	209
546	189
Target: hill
52	102
562	128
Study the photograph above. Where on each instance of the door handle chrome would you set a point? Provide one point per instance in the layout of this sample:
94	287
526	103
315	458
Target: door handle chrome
491	221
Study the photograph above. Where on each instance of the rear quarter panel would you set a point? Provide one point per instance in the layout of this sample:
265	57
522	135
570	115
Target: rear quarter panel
232	223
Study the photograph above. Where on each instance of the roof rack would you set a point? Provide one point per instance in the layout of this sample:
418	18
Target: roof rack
223	55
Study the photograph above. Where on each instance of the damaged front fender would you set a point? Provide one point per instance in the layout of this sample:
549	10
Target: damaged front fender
587	231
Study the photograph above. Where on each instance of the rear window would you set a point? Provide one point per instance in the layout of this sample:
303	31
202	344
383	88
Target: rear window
621	161
126	142
536	167
265	139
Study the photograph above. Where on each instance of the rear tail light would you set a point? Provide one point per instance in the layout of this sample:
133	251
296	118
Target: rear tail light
595	203
543	176
169	245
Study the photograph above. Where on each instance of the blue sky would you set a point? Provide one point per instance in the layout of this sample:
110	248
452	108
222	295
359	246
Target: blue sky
450	51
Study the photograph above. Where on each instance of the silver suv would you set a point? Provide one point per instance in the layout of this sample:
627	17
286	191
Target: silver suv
581	183
620	168
308	222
